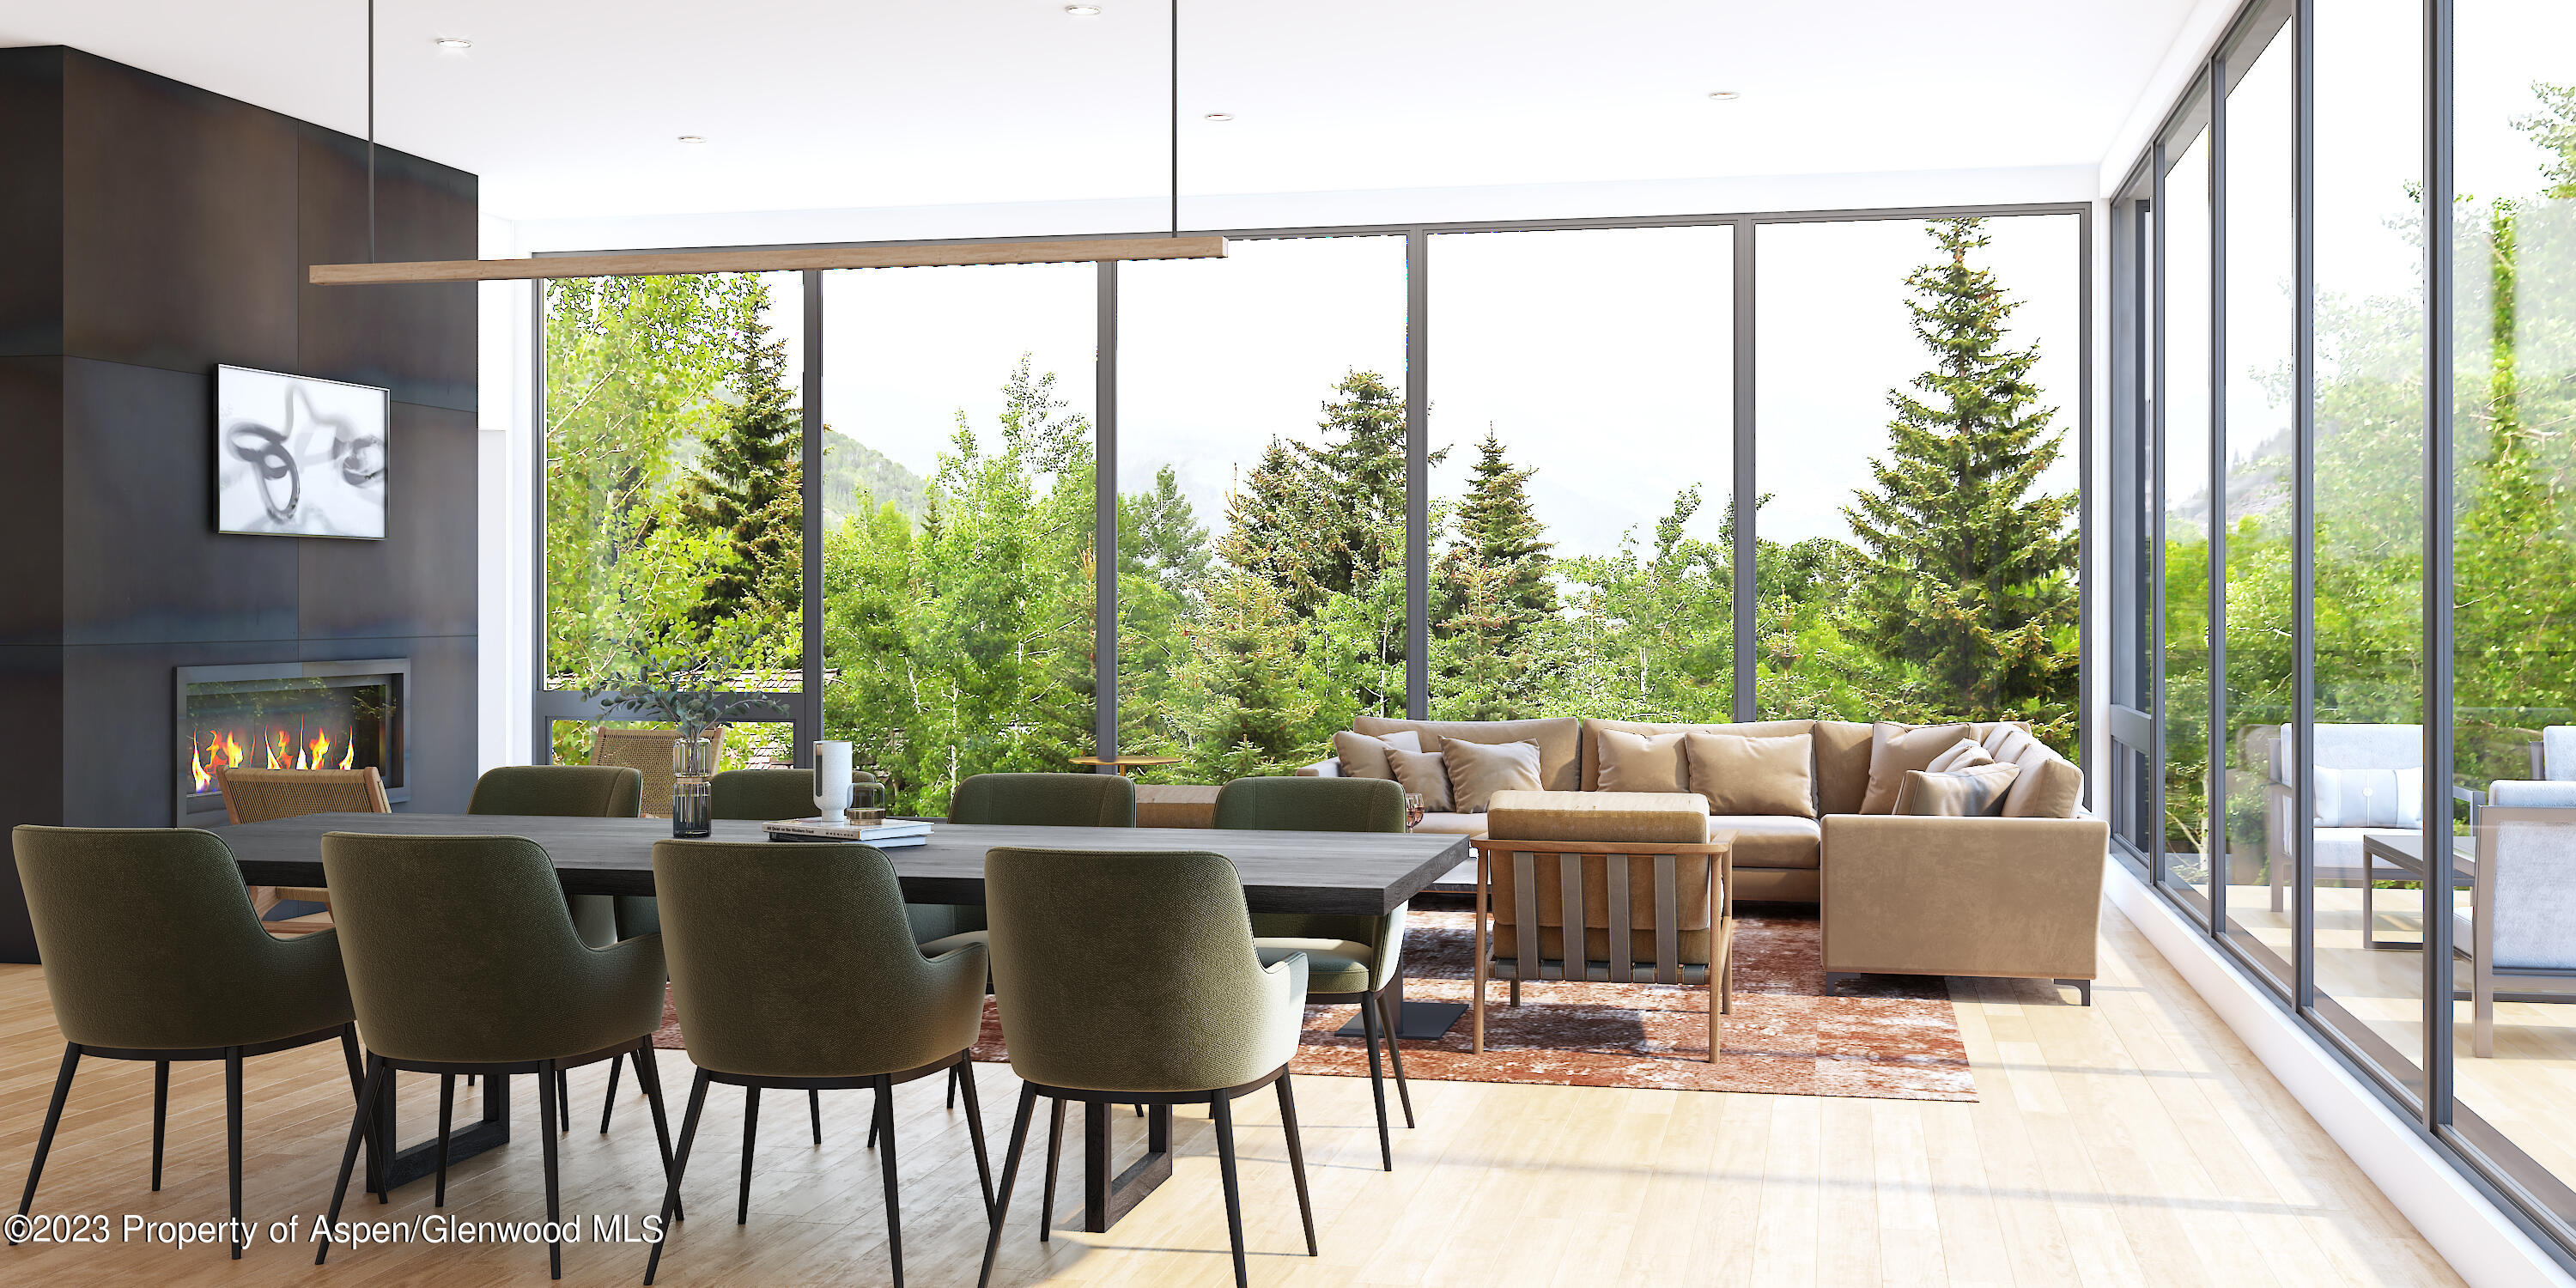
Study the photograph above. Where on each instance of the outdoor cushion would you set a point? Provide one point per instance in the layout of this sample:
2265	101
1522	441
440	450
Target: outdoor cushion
1332	965
1640	762
1423	774
2370	797
2050	786
1560	759
1365	757
1478	770
2544	794
1896	748
1742	775
1958	793
1598	816
1643	817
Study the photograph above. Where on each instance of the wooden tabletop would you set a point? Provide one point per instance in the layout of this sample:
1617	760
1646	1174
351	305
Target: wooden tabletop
1352	873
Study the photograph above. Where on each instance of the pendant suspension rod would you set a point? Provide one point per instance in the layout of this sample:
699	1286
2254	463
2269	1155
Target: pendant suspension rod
371	131
1176	117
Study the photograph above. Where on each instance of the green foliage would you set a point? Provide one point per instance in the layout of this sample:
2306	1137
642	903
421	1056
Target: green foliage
748	486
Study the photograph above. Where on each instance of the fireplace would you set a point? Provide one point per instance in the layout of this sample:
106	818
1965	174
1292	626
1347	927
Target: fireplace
288	715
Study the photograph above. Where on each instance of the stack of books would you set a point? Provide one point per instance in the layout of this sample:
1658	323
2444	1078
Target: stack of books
892	834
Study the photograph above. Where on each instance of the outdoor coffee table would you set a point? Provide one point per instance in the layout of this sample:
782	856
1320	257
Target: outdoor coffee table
2404	851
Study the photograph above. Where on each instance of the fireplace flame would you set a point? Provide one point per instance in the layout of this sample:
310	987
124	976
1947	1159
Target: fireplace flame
216	751
334	747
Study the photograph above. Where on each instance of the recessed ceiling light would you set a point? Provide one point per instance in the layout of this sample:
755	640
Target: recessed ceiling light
1725	95
1082	10
693	138
453	43
1220	116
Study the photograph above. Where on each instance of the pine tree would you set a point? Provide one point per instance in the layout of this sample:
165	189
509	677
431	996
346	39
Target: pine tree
747	483
1247	701
1965	581
1360	473
1499	538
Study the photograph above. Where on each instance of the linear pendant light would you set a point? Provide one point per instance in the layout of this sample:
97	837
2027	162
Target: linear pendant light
773	259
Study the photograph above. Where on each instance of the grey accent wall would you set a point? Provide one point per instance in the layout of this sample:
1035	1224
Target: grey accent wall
150	230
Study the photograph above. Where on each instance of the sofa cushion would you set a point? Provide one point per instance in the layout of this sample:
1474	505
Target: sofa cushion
1742	775
1598	816
2006	742
1479	770
1842	766
1592	729
1769	841
1365	757
1424	774
1972	792
1896	749
1560	754
1639	762
2050	786
2370	797
1962	754
1332	965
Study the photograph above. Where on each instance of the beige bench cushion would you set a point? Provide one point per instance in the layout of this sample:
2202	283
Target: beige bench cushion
1645	817
1452	824
1560	749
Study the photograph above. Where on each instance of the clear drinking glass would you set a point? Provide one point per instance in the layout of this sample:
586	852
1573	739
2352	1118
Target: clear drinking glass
693	767
1412	810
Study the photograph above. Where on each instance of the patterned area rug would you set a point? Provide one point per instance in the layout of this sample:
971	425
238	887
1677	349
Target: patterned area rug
1886	1037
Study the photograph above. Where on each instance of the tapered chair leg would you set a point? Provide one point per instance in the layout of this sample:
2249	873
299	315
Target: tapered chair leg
367	1093
648	1072
953	1071
814	1106
1055	1149
679	1168
1370	1029
1233	1191
45	1138
1392	1013
446	1119
563	1099
357	1082
975	1135
885	1162
548	1123
750	1135
232	1137
608	1104
872	1127
160	1114
1297	1161
1010	1173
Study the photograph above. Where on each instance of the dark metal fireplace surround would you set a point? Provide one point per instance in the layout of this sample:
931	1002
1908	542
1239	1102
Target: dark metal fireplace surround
288	715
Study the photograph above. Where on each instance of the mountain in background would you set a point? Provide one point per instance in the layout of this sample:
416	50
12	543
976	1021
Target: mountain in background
851	467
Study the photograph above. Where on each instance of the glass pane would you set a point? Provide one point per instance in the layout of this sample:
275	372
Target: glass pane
957	551
2514	574
2369	523
1582	420
674	501
1917	408
2184	717
2262	317
1261	481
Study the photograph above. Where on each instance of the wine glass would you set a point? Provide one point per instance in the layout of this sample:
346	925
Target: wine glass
1412	810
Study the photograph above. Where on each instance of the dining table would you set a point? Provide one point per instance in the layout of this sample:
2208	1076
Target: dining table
1341	873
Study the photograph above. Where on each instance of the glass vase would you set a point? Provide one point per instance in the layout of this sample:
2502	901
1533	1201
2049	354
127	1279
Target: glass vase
693	767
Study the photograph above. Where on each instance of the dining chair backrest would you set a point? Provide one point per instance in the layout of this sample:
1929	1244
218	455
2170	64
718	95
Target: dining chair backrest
763	795
563	791
797	961
148	936
1045	800
1311	805
1133	971
2526	887
259	795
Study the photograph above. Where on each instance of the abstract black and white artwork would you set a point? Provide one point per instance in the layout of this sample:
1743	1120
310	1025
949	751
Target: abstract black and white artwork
299	457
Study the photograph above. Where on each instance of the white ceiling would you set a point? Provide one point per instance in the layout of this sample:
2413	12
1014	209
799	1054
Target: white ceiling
571	108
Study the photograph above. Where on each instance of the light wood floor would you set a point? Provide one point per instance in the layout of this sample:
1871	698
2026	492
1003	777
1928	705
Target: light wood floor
2133	1143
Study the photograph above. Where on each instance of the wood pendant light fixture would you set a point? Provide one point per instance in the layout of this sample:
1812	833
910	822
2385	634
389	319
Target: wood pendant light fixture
1172	245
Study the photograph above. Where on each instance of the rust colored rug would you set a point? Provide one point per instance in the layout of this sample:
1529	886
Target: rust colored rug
1885	1037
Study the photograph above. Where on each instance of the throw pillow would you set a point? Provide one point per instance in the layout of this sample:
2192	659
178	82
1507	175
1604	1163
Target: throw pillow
1961	755
1477	770
2049	785
1741	775
2007	743
1365	757
1423	774
1960	793
1895	749
2370	797
1634	762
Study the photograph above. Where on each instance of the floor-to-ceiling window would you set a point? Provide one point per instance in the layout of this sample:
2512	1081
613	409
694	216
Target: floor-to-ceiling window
2189	507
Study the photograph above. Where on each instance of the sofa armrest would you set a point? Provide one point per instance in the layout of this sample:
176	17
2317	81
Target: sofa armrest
1328	767
1906	895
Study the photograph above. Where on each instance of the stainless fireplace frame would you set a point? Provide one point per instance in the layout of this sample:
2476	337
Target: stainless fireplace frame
188	808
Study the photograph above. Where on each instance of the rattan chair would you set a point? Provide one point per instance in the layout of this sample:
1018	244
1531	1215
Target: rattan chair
647	752
258	795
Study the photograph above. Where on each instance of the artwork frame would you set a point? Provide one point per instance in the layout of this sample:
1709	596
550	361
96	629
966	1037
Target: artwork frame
301	456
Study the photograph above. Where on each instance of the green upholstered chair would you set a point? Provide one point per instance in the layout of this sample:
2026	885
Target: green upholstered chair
1127	977
1022	800
153	952
763	795
1348	959
462	959
793	967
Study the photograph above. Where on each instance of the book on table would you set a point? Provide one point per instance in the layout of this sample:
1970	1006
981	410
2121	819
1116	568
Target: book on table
893	833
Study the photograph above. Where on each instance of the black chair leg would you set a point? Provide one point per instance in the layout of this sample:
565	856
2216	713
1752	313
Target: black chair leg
563	1099
232	1137
1393	1014
1297	1161
975	1133
750	1134
872	1127
814	1107
1224	1113
608	1104
1055	1148
551	1088
446	1119
357	1080
1010	1173
953	1071
885	1161
358	1132
160	1114
1370	1028
648	1073
53	1118
679	1167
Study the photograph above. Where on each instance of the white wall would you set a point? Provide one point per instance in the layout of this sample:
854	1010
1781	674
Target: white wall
504	556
